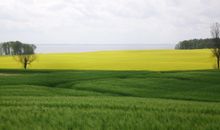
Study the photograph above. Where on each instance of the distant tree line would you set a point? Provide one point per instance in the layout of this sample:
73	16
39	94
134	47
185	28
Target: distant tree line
196	44
16	48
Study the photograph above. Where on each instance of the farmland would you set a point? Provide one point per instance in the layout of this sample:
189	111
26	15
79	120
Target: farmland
45	99
156	60
150	90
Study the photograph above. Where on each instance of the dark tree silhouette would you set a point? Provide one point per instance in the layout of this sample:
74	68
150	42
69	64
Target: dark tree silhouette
195	44
11	48
215	31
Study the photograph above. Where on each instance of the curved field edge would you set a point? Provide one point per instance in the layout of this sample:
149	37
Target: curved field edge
182	85
155	60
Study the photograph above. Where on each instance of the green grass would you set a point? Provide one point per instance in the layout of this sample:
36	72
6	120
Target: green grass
106	113
50	99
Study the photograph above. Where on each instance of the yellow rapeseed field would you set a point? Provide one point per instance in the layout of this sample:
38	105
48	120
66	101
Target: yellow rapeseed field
156	60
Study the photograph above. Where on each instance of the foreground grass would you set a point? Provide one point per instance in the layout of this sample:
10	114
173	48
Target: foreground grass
121	60
107	113
109	100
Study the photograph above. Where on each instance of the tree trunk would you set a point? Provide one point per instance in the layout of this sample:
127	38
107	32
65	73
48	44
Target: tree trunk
25	63
218	61
25	66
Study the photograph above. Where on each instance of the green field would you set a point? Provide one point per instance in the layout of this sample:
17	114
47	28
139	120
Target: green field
156	60
44	99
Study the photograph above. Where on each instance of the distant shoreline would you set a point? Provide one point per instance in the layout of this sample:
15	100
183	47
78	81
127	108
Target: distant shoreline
75	48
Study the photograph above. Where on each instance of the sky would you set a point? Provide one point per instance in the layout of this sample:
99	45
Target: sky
106	21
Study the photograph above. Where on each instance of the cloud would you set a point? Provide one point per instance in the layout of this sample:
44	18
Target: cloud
106	21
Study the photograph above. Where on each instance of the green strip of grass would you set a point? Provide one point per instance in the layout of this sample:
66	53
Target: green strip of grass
189	85
106	113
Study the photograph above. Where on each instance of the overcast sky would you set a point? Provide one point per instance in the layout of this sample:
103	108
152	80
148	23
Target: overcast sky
107	21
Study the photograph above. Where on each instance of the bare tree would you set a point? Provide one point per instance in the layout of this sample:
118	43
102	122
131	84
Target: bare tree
215	31
25	60
27	55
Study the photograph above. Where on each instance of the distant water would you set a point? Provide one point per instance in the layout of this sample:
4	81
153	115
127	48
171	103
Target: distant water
59	48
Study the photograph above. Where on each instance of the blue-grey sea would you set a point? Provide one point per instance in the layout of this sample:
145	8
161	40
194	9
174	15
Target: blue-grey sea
64	48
